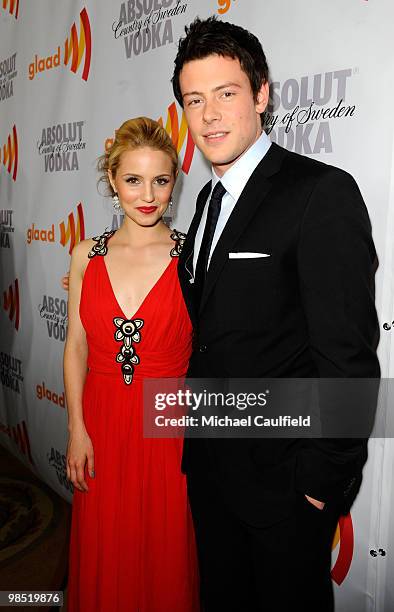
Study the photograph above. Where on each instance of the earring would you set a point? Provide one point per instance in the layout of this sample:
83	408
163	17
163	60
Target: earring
115	203
167	218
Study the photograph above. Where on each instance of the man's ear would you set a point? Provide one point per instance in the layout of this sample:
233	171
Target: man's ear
262	97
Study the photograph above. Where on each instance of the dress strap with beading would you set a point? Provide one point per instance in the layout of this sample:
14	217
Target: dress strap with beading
101	247
179	239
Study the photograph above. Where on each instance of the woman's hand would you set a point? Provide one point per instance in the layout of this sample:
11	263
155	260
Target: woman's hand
79	450
315	502
65	282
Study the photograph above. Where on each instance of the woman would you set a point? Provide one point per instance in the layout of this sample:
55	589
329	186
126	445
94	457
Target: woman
132	543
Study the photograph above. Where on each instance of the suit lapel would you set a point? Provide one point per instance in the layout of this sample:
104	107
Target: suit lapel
185	267
251	198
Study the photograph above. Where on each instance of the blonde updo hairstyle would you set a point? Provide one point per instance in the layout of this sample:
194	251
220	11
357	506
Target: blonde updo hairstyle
135	134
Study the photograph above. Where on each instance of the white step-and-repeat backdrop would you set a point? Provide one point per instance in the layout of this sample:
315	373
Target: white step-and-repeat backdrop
70	74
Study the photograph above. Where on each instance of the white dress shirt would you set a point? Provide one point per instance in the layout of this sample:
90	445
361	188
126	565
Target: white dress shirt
234	181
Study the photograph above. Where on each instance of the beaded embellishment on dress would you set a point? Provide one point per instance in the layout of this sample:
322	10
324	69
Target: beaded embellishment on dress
101	247
179	238
128	332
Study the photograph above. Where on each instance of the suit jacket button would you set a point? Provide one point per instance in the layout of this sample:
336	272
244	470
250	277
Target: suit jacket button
203	348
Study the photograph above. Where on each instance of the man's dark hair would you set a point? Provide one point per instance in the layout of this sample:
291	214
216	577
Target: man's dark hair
214	37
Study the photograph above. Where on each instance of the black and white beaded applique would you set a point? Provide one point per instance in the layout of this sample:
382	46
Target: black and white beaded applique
179	239
127	331
101	247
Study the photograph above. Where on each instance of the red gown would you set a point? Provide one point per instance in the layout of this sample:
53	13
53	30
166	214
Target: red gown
132	544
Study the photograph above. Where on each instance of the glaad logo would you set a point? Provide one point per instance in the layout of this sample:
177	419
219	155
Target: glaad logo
10	153
179	134
57	460
44	63
224	6
42	392
77	48
11	303
12	6
19	434
11	372
309	105
60	145
345	537
6	228
74	50
73	233
34	233
54	311
139	24
7	75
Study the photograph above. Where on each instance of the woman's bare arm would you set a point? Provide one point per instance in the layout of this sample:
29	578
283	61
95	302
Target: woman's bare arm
80	448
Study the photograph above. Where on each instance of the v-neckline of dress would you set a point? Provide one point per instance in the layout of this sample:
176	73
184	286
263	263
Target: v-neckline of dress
146	296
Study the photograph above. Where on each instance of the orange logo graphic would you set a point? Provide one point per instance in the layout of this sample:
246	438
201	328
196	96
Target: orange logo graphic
10	153
12	4
34	233
223	6
345	536
76	49
43	392
75	232
11	302
178	135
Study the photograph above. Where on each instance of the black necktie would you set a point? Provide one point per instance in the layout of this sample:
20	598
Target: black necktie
212	218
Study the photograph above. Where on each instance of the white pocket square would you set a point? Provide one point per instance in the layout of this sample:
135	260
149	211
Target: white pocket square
246	255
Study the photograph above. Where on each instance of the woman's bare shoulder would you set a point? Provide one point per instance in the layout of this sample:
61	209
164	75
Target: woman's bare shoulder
82	249
80	255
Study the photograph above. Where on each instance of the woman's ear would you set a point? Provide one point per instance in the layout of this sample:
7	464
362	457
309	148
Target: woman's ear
111	180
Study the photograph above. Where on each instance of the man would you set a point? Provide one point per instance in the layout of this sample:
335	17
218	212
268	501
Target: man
277	273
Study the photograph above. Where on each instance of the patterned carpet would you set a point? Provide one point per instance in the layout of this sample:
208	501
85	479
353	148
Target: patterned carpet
34	531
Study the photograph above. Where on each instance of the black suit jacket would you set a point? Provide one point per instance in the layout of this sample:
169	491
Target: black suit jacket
305	311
